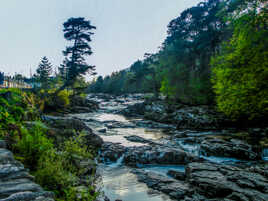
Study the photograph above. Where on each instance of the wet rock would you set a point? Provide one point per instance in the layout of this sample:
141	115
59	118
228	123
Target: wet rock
169	186
156	125
177	175
103	130
110	152
3	144
116	124
135	138
216	181
137	109
234	148
157	155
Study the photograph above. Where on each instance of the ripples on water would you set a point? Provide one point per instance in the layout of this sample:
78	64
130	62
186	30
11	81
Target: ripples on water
119	183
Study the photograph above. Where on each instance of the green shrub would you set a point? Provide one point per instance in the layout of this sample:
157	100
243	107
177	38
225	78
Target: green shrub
33	145
57	170
63	98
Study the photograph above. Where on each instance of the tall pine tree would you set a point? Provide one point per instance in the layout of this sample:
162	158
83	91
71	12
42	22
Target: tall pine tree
77	31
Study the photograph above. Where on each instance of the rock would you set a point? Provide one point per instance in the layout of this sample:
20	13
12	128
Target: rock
16	184
82	105
234	148
61	128
116	124
111	151
135	138
103	130
177	175
134	110
66	123
3	144
216	181
157	155
91	139
171	187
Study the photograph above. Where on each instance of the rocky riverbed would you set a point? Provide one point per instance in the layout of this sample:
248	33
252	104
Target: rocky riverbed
152	152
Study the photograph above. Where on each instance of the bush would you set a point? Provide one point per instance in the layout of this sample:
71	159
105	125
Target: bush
57	170
33	145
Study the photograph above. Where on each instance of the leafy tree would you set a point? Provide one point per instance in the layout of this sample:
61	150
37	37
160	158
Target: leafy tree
77	31
240	70
44	70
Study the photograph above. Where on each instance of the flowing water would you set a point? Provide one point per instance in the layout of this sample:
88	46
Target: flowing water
117	180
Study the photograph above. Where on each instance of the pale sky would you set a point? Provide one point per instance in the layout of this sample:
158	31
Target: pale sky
126	29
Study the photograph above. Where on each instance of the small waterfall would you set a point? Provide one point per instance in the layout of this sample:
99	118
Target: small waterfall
265	154
119	161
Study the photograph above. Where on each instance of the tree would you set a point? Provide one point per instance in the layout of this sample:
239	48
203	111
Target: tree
44	70
2	78
240	70
77	31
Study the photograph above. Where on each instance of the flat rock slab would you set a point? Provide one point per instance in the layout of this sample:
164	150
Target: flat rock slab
16	184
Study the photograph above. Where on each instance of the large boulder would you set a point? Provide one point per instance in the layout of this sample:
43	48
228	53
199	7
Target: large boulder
233	148
157	155
221	182
61	128
111	152
175	189
82	105
137	109
198	117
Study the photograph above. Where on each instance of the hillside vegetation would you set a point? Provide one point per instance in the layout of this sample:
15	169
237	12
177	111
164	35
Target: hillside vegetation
215	53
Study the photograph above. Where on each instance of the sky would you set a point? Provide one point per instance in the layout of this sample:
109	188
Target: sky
126	29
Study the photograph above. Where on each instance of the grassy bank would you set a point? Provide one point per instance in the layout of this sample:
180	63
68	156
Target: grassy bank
54	167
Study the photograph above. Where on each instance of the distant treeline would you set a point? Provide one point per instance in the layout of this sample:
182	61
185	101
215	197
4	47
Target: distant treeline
216	51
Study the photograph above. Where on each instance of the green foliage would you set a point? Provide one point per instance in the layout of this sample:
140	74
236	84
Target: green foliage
44	70
55	101
57	170
33	144
240	71
79	31
62	98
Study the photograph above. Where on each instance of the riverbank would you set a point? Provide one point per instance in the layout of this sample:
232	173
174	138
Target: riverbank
59	152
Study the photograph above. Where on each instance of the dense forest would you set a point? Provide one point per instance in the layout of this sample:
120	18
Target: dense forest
214	52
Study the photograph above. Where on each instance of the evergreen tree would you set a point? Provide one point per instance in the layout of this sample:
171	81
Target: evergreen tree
77	31
44	70
1	78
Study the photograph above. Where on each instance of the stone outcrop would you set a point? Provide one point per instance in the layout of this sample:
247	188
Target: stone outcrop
157	155
16	184
222	182
184	117
175	189
61	128
233	148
